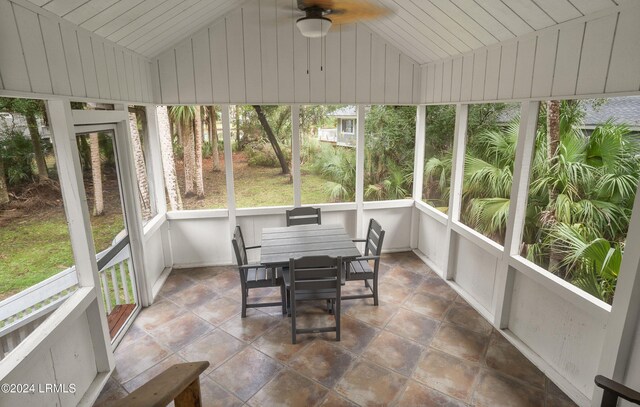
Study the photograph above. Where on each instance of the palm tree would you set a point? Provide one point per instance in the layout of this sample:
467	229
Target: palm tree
96	174
168	162
213	135
185	116
580	197
197	120
141	170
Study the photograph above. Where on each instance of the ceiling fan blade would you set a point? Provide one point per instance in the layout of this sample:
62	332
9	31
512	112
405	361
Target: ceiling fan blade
351	11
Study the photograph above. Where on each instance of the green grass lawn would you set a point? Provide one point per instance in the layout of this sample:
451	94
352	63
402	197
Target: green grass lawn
36	246
35	249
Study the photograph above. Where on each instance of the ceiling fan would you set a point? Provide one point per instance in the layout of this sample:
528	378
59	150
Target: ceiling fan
321	15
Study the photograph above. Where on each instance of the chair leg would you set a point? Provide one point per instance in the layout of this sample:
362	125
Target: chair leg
283	297
244	303
336	314
375	289
293	324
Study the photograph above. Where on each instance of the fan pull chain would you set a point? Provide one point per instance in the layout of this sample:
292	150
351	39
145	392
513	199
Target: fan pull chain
308	54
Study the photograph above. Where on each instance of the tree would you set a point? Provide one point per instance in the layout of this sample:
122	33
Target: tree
31	109
272	139
96	174
168	162
141	170
213	135
183	115
4	191
197	119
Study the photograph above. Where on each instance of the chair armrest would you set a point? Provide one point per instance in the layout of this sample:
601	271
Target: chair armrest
251	266
252	247
358	240
618	389
368	258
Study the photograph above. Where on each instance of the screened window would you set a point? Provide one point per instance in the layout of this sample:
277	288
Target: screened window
35	247
196	170
328	159
439	134
262	155
492	134
389	152
583	182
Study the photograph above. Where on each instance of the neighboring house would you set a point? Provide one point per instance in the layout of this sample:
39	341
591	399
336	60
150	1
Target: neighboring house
622	110
344	134
15	121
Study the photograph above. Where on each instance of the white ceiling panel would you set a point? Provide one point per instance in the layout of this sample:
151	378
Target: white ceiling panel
424	30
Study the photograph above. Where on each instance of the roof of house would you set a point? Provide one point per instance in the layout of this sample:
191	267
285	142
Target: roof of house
345	111
622	109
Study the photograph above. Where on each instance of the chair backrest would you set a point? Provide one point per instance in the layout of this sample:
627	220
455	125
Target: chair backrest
375	237
239	246
315	273
304	216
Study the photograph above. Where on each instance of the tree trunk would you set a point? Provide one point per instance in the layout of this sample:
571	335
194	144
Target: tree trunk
213	134
553	141
141	170
4	191
96	174
237	127
272	139
189	157
168	163
198	154
32	124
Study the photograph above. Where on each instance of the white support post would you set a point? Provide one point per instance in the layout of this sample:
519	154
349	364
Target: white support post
625	310
228	164
418	158
77	212
133	215
455	194
503	284
295	152
360	171
418	170
155	170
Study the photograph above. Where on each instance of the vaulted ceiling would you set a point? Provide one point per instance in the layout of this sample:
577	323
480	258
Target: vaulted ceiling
425	30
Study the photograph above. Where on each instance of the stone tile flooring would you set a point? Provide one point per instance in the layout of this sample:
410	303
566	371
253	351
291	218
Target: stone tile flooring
422	346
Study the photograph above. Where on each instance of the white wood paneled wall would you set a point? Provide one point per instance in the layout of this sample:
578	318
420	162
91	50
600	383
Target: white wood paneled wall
42	54
255	54
594	55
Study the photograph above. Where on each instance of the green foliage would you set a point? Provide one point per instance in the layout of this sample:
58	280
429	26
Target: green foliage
16	153
580	200
262	155
207	149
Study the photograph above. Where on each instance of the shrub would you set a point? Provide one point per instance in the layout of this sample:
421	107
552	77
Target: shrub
262	155
17	155
207	149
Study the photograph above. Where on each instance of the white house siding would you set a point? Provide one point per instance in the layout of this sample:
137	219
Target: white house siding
42	54
593	55
243	58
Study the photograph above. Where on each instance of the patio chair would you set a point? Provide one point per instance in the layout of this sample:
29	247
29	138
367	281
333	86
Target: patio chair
255	275
314	278
360	268
304	216
614	390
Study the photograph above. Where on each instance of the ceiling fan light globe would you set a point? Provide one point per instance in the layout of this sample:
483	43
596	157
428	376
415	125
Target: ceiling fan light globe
313	27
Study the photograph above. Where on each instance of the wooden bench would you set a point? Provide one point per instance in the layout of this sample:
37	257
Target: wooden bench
180	383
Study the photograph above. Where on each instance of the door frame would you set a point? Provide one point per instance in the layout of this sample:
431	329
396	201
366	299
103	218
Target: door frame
128	193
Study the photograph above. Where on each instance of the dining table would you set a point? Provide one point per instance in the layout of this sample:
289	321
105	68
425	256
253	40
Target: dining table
279	244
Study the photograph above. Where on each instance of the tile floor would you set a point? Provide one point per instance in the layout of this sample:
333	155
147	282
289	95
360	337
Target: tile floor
422	346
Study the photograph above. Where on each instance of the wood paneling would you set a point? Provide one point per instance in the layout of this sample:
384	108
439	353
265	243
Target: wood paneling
589	56
251	60
43	54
